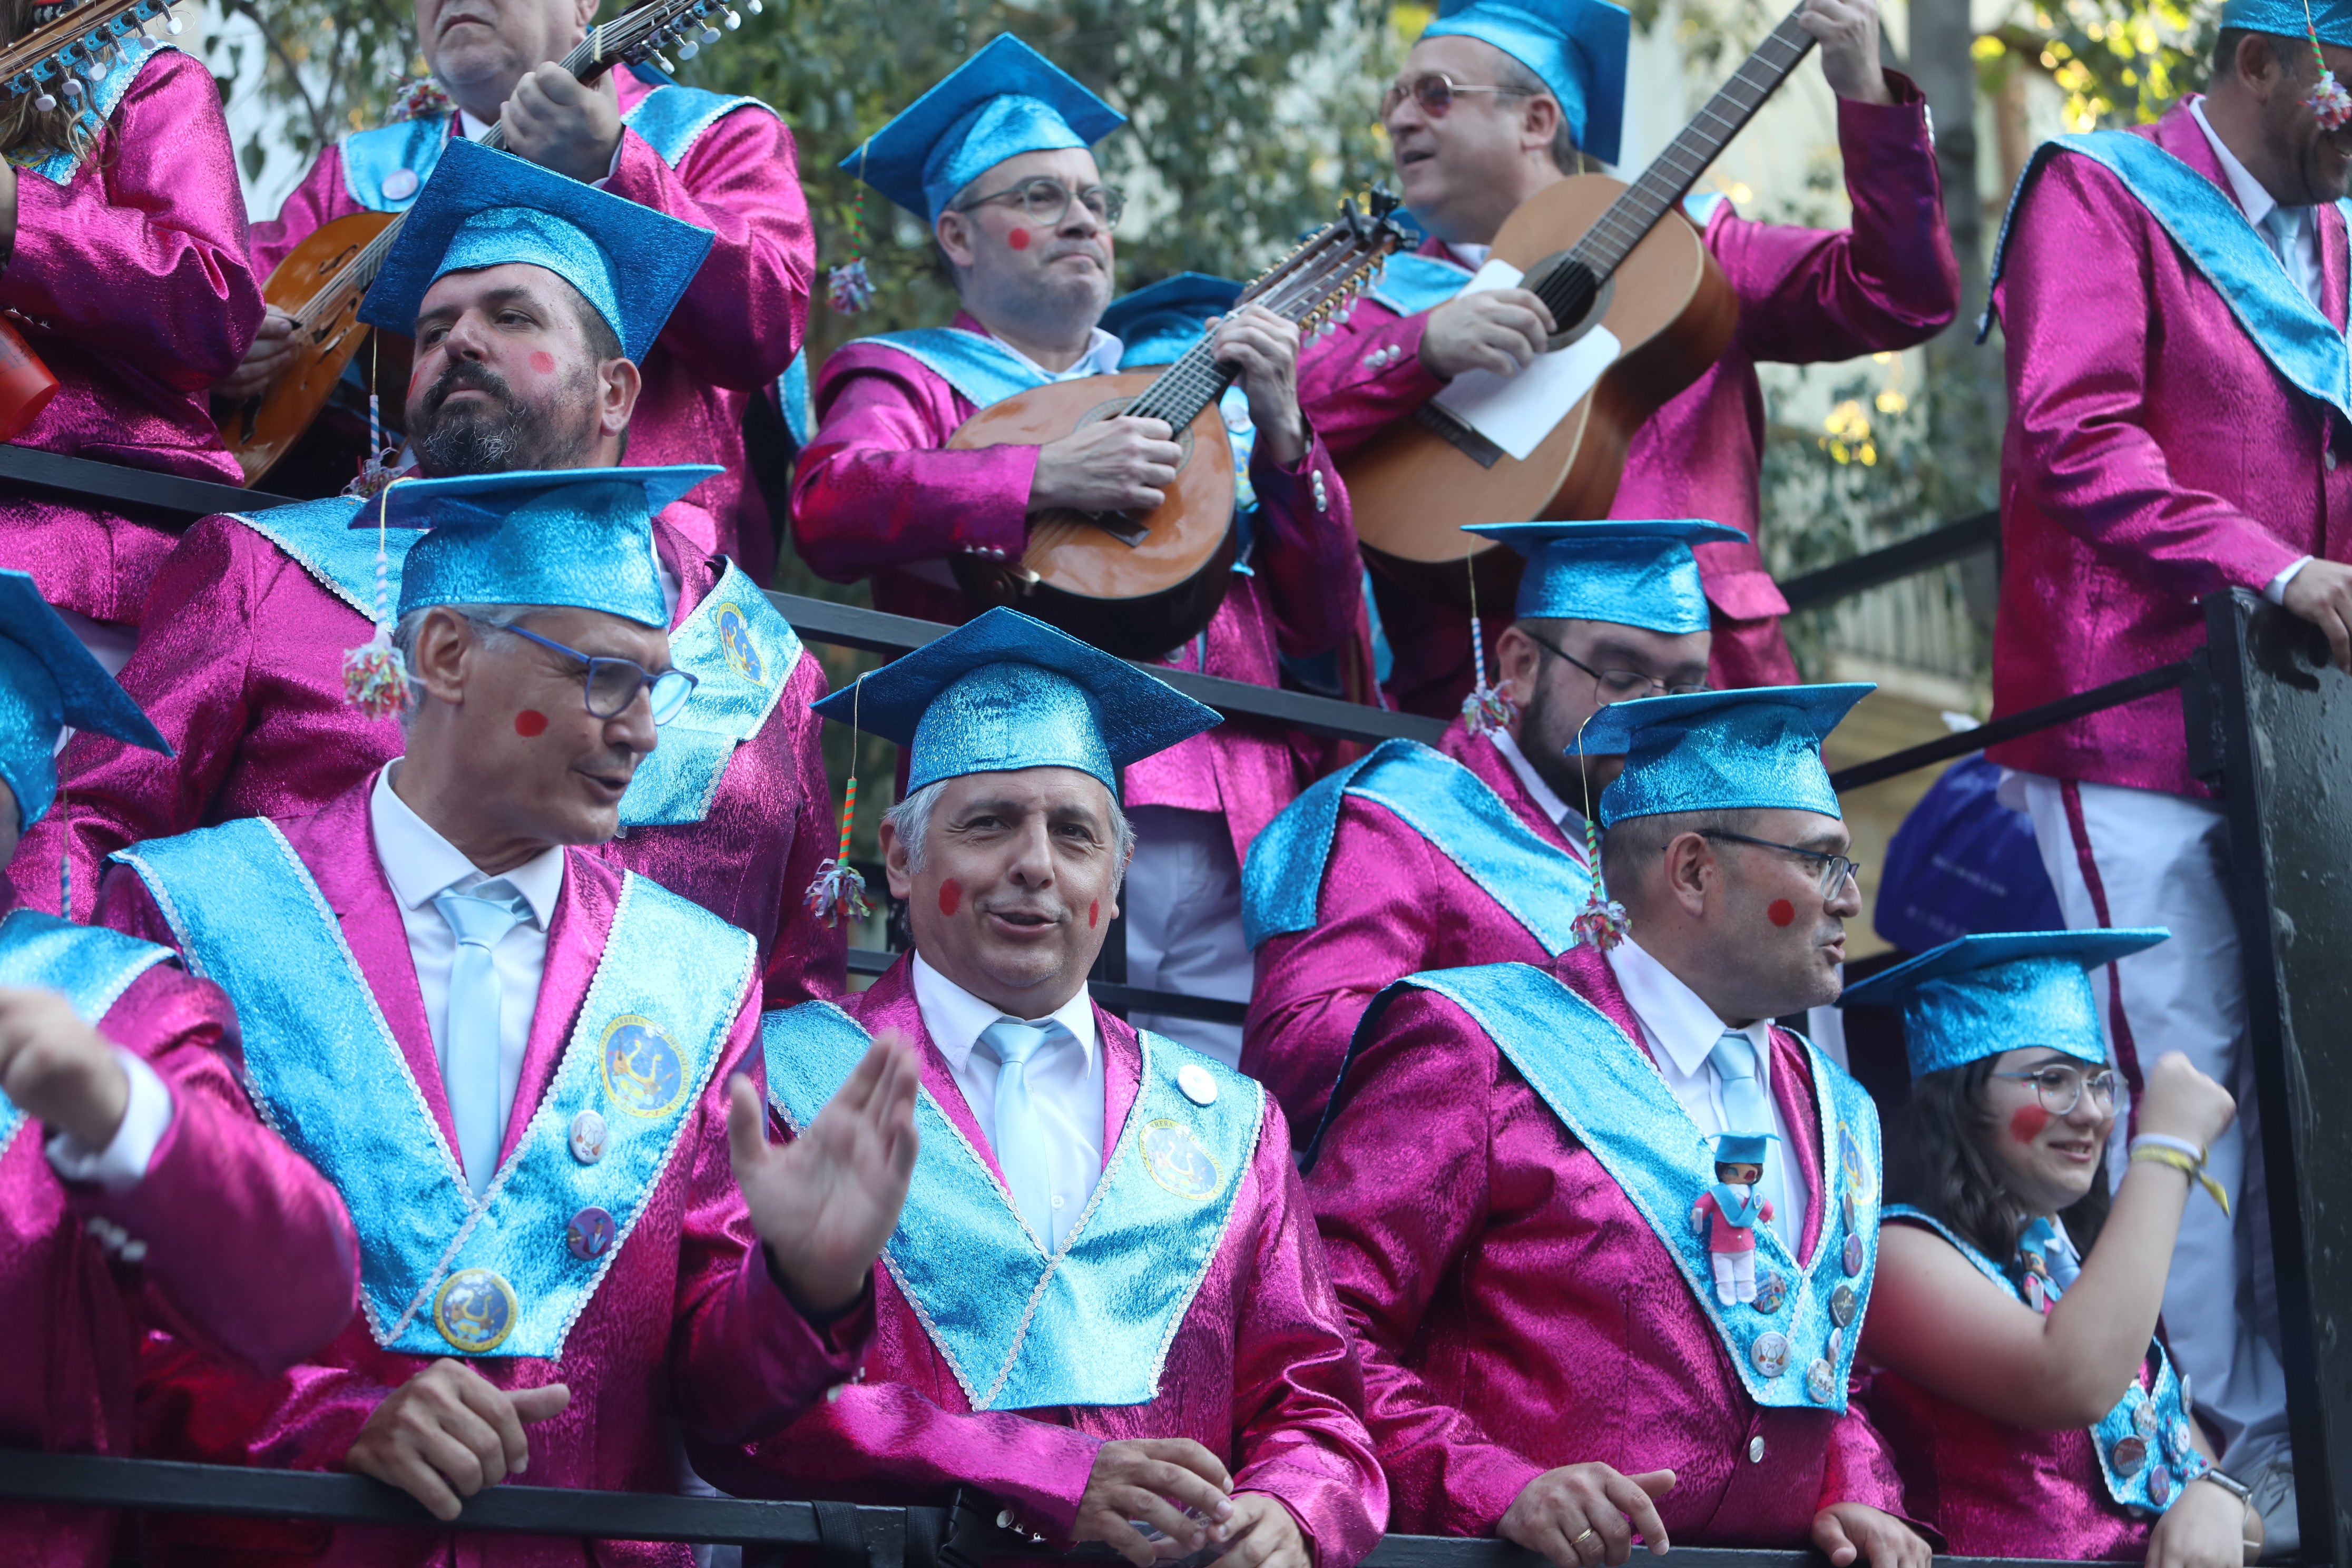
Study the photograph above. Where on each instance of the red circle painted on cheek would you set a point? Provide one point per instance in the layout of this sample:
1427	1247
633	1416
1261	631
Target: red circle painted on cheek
530	722
1094	913
1018	239
951	896
543	361
1781	912
2026	1125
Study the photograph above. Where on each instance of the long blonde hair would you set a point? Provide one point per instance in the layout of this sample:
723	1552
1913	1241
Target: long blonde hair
23	126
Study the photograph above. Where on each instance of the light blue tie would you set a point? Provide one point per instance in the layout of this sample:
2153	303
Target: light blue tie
1020	1137
469	1068
1744	1107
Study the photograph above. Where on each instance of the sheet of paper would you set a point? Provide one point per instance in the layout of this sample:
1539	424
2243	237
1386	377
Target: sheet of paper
1517	412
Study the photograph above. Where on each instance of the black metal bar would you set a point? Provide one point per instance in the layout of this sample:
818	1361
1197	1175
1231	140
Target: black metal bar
1119	998
1905	558
853	626
2283	717
171	497
2115	694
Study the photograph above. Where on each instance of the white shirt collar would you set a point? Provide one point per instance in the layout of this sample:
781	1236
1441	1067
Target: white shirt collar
1684	1026
473	129
1547	798
421	865
2252	199
955	1017
1100	357
1473	257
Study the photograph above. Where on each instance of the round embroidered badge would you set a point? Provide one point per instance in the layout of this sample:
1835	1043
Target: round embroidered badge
735	641
1177	1161
644	1073
1770	1353
476	1311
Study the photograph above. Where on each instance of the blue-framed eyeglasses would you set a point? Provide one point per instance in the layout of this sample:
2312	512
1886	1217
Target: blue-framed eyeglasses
612	684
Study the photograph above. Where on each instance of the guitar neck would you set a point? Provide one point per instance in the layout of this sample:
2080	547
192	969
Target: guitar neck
1670	174
586	62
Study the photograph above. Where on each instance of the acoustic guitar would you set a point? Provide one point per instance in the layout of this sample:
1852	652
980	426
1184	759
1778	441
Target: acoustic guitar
1603	257
1139	586
321	280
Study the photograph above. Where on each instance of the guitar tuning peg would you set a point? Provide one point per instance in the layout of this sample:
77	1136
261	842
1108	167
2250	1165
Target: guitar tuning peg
688	49
734	19
667	69
73	89
45	103
173	25
753	6
710	34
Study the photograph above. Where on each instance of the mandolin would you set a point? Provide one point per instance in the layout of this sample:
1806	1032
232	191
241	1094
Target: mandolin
52	62
1641	300
1139	586
322	281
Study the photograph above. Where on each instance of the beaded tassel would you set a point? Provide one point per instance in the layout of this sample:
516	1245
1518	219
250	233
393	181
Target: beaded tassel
838	893
848	288
375	678
419	100
1603	923
2328	101
376	473
1486	709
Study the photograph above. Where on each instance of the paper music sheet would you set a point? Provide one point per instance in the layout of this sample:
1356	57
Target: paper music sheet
1517	412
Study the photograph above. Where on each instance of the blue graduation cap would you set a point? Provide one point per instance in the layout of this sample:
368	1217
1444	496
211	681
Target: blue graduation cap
1578	46
1156	323
1633	573
2332	19
1003	691
1981	996
574	538
484	208
48	681
1759	748
1006	101
1743	1148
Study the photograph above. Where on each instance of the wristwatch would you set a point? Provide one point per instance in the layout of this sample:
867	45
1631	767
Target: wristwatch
2229	1483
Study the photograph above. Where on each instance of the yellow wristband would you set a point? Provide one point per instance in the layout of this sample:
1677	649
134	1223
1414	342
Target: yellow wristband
2187	1167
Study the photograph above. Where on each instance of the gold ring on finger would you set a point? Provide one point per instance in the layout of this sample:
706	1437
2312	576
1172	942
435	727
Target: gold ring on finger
1580	1540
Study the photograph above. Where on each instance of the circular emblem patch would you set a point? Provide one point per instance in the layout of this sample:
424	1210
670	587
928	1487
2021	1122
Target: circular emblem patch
735	641
2188	1396
476	1311
644	1074
1771	1291
1858	1176
1821	1382
2128	1456
2143	1419
2177	1441
588	1136
2159	1485
1177	1161
1853	1258
1769	1352
591	1234
400	185
1842	1302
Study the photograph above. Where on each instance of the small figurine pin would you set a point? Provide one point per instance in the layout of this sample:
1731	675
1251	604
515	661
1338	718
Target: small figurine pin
1728	1212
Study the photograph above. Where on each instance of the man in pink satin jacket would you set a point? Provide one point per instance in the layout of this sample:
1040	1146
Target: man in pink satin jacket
1505	1184
995	158
129	279
725	164
1500	100
150	1195
526	1071
2133	483
240	661
1105	1302
1474	853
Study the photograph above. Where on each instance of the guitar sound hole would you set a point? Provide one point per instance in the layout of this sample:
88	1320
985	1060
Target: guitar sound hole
1568	290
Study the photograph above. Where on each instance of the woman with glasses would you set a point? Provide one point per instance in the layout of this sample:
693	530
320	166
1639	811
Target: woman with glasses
2028	1406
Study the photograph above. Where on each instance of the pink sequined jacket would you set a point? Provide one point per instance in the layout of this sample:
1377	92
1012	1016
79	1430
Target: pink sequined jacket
1261	1372
229	1239
130	280
2153	456
1517	1314
875	494
240	665
1805	296
688	1324
733	332
1392	905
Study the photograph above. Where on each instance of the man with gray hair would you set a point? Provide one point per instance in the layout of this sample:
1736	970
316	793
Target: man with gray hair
529	331
530	1076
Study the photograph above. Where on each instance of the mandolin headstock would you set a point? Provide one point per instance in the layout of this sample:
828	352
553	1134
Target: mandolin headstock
681	25
1319	281
80	48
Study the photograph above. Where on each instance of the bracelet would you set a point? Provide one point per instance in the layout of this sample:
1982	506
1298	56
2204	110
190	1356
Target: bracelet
2165	1141
2159	1154
2227	1482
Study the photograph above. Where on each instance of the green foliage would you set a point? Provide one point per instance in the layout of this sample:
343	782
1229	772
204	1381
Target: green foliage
2120	61
331	65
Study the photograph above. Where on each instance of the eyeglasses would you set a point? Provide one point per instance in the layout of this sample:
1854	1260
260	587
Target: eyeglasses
1615	685
1835	868
2061	1087
1047	201
613	684
1435	92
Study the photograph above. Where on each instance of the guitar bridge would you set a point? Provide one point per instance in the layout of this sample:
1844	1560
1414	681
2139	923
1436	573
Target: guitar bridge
1118	524
1440	423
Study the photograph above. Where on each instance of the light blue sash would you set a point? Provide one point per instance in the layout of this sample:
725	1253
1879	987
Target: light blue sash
92	965
1411	282
2158	1421
741	651
320	538
672	118
1699	206
372	157
792	395
1608	1095
1092	1323
977	365
2306	349
1446	804
440	1272
99	99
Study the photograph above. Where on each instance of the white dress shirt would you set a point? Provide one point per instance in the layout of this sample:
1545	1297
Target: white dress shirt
1566	817
122	1164
1681	1030
421	865
1099	358
1065	1082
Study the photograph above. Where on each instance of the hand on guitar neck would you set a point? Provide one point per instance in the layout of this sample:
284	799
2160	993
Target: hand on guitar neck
1847	31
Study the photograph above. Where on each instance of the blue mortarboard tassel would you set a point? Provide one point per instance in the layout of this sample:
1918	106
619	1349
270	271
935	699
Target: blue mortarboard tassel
1486	709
